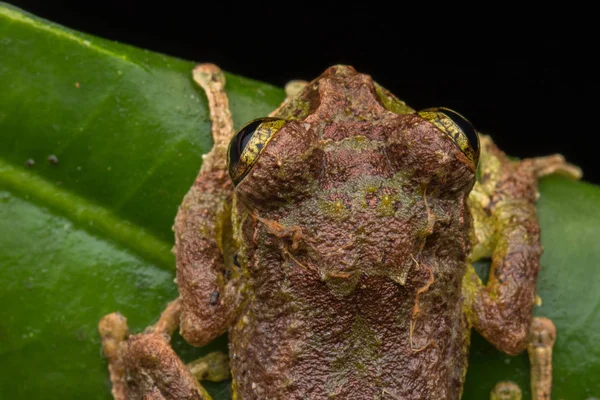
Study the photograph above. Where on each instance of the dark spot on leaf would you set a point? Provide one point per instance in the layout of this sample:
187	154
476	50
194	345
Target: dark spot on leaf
81	335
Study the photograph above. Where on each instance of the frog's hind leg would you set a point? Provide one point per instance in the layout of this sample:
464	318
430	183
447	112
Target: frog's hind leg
204	248
504	198
144	366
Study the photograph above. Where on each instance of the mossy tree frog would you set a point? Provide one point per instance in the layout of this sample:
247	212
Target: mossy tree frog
333	240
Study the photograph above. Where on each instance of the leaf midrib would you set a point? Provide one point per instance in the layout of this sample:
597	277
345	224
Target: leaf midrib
86	214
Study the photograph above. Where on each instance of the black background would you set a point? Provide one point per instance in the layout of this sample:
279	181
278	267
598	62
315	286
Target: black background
528	83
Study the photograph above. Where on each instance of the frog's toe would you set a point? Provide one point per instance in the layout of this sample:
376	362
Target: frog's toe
542	335
292	88
506	390
113	330
212	367
556	164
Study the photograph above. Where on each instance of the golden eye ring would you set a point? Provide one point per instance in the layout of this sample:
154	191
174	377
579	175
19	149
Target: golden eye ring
247	145
457	127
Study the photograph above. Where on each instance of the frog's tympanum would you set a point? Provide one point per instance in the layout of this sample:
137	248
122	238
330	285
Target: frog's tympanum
333	241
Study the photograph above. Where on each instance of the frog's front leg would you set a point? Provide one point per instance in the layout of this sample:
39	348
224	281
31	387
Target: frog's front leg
207	279
144	366
507	229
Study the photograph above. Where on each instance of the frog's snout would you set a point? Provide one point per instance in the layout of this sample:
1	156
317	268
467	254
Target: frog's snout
339	70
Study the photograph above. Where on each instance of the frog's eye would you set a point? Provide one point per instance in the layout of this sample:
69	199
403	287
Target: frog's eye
248	143
457	127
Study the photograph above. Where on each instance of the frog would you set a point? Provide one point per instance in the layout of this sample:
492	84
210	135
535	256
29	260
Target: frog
334	241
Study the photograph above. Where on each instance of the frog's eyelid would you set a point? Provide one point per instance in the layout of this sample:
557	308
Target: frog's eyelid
465	126
247	145
457	127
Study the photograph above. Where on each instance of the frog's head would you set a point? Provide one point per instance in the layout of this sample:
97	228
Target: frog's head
373	185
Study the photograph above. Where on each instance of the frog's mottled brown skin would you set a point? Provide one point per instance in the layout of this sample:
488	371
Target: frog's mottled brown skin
353	233
380	199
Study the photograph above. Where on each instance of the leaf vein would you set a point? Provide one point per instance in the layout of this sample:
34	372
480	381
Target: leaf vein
83	212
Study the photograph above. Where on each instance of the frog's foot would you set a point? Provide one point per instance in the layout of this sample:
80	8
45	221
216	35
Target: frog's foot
113	330
292	88
212	367
555	164
542	335
144	366
506	390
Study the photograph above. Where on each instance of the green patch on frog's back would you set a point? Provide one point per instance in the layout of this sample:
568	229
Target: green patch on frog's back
361	349
340	203
391	102
297	109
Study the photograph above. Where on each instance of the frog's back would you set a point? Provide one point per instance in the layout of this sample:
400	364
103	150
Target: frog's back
358	347
353	232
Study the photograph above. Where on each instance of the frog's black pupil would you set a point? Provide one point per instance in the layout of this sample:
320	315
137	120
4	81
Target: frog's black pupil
244	139
241	140
465	126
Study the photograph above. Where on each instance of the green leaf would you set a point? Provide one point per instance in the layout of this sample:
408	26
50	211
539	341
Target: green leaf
91	234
